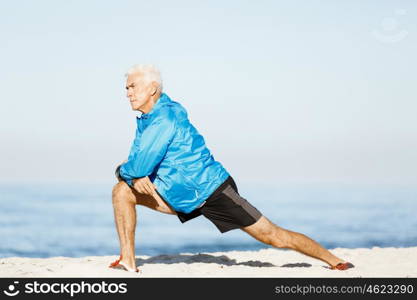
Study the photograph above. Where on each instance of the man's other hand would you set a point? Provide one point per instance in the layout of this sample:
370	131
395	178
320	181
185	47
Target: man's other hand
144	186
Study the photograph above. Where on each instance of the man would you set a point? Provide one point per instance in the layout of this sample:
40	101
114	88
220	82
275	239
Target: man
170	169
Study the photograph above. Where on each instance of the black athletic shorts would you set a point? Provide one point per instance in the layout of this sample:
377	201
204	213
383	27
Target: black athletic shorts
225	208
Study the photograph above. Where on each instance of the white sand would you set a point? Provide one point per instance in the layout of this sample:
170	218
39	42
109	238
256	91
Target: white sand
375	262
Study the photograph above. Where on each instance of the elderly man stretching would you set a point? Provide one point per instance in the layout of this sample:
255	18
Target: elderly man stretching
170	169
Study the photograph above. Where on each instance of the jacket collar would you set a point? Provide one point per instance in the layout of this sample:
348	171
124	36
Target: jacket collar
162	100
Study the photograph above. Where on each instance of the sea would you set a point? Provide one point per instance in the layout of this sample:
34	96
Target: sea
76	220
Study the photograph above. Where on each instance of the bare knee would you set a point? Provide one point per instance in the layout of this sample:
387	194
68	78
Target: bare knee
282	240
268	237
122	193
267	232
276	238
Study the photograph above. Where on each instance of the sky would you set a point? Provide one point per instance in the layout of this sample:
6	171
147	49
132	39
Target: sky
291	92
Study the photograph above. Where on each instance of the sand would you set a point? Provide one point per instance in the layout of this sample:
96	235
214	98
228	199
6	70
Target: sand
375	262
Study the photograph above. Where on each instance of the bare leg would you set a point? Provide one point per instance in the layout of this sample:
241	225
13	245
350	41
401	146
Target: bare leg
125	200
269	233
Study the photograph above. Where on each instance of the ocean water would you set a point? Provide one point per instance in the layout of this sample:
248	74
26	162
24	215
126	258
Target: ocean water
77	220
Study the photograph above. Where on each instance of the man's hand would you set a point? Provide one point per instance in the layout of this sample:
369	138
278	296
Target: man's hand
144	186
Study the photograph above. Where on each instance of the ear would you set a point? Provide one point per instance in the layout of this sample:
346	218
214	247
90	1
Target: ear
154	87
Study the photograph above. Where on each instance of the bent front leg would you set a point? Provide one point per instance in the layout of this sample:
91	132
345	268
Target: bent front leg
124	206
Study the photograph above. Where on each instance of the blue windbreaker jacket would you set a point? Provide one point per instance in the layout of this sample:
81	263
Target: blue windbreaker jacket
169	149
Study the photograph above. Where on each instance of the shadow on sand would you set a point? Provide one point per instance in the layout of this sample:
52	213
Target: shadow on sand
200	258
296	265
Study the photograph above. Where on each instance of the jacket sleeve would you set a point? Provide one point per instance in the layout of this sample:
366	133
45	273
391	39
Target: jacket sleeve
152	148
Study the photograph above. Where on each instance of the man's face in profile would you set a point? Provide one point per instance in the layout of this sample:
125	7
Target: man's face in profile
138	92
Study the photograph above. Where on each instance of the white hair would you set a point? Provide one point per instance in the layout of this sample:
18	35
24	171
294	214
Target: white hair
149	73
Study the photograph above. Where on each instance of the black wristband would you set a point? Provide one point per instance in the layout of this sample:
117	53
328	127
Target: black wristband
117	172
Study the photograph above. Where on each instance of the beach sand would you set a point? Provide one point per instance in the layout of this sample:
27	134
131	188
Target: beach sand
375	262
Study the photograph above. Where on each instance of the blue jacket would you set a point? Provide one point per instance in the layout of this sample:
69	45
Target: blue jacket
169	150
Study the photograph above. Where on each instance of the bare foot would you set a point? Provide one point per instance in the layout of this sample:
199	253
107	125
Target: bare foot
342	266
121	265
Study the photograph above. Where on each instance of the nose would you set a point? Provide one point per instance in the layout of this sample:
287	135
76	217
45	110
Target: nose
129	93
